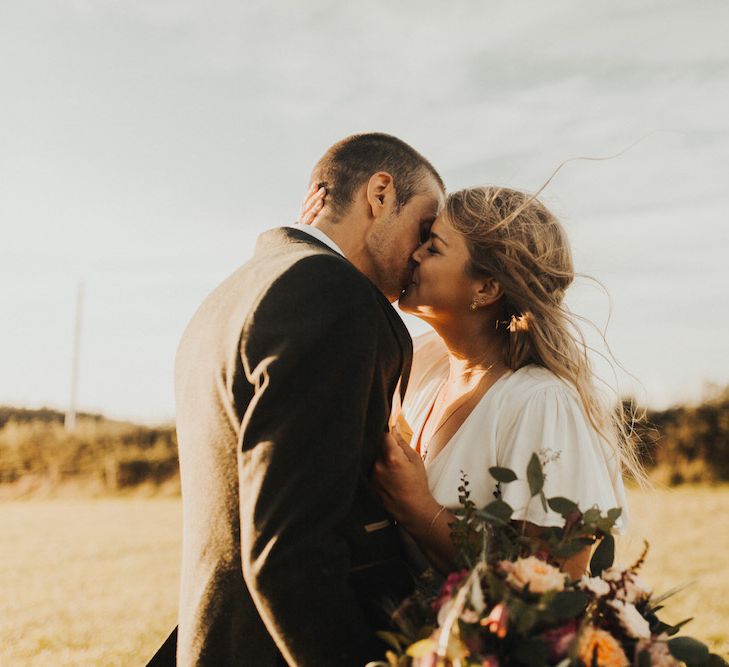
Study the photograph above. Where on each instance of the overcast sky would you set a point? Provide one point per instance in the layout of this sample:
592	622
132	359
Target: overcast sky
144	144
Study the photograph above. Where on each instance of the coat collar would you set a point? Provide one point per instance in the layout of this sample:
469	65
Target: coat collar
281	237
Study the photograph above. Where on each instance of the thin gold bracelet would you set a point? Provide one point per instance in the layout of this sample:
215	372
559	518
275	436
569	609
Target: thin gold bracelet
435	518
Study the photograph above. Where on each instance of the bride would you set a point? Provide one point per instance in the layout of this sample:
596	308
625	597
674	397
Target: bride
503	374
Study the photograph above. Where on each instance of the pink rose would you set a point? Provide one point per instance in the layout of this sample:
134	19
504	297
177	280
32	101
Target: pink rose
533	572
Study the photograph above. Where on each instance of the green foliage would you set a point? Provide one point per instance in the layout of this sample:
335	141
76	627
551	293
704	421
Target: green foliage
535	475
43	415
497	512
35	448
689	650
603	557
562	506
505	475
466	530
686	443
513	604
531	652
567	604
503	539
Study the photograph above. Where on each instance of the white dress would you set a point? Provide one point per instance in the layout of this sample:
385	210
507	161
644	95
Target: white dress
529	410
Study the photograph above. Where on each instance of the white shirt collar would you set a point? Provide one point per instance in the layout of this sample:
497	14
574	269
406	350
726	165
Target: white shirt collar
318	234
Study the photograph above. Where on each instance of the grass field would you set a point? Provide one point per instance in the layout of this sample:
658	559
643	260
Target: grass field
94	582
90	582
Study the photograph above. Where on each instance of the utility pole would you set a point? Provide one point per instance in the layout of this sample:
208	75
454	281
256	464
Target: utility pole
70	421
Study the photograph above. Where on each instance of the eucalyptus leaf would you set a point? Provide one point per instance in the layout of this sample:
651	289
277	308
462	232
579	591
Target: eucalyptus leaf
591	516
603	557
689	650
644	658
524	616
615	513
535	475
568	604
552	534
562	506
605	525
572	548
504	475
497	509
531	652
543	498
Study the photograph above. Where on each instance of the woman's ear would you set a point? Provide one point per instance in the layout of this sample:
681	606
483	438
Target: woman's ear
489	292
379	189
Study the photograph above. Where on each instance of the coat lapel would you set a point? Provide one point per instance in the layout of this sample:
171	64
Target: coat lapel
287	235
403	339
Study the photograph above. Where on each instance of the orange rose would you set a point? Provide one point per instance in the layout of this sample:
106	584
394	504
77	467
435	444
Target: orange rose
609	651
538	575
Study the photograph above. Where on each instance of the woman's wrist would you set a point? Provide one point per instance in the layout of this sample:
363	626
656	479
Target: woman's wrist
421	522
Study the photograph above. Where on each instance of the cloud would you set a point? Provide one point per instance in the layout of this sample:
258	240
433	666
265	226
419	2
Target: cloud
147	143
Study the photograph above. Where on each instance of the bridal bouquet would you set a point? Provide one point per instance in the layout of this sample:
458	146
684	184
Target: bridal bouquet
511	605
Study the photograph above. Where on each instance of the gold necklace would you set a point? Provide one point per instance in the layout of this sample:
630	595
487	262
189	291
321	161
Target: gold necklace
464	401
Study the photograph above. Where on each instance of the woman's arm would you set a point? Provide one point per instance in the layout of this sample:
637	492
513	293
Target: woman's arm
402	484
401	481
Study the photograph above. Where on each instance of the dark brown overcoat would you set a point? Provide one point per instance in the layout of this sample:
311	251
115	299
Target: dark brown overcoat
284	382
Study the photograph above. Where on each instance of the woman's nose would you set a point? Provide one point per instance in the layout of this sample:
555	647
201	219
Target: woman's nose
417	256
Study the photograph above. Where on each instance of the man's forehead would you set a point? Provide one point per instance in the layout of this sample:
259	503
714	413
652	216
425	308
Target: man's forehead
432	197
434	192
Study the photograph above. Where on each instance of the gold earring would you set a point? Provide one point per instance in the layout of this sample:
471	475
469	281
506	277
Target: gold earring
474	306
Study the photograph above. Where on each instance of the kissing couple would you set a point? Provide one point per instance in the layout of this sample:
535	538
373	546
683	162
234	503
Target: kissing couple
321	450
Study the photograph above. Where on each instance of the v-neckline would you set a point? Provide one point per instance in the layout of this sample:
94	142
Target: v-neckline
463	423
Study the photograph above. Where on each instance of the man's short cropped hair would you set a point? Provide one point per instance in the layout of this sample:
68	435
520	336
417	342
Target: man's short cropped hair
349	163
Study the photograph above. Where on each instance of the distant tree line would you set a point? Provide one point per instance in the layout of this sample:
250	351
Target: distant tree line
44	415
682	444
687	443
36	450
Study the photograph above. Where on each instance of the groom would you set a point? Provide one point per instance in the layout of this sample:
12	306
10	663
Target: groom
284	381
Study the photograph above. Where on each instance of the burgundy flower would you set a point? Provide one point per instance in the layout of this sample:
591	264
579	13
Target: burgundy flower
449	587
559	639
571	520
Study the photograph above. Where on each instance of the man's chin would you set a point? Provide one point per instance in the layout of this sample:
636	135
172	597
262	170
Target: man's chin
404	300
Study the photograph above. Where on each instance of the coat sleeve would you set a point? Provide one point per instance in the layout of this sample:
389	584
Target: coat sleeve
310	352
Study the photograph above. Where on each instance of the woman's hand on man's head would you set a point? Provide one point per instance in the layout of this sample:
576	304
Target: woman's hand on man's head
312	205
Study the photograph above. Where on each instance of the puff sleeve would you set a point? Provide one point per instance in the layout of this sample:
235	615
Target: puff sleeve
578	463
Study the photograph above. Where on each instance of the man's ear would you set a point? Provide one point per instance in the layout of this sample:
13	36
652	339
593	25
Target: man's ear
380	190
489	292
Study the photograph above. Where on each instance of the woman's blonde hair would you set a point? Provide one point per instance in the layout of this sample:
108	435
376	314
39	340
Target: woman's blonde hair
513	237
